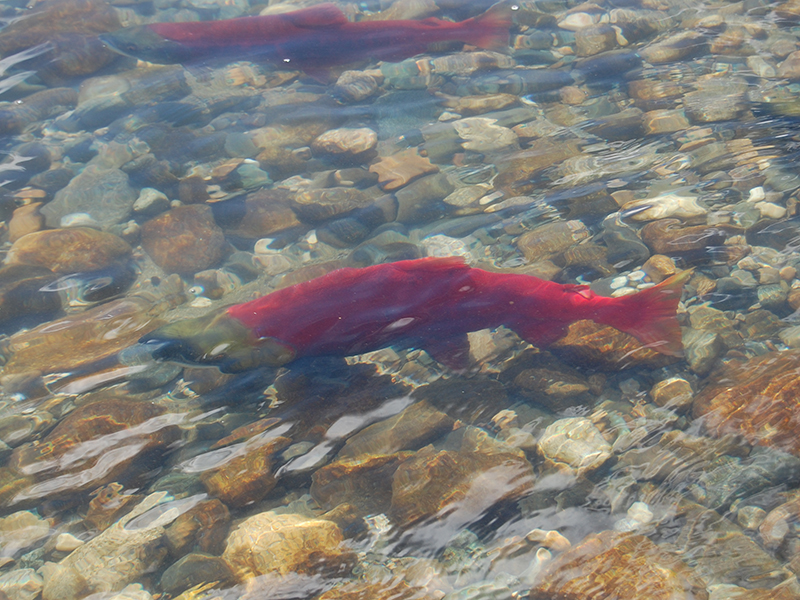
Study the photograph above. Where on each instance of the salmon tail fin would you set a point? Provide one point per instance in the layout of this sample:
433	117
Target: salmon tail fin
490	30
650	315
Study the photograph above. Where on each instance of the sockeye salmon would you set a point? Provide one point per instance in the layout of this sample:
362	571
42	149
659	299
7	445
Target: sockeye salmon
309	39
429	303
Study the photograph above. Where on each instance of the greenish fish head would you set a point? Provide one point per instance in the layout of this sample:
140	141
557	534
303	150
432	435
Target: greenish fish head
216	339
143	43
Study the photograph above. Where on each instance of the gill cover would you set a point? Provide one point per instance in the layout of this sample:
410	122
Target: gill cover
216	339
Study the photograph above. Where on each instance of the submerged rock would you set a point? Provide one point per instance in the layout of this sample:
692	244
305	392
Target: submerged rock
70	250
615	565
184	240
743	397
284	544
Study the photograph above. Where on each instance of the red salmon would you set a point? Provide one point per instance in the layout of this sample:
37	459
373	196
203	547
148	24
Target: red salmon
430	303
308	39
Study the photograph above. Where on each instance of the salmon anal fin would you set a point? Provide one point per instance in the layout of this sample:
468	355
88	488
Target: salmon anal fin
452	352
322	15
540	333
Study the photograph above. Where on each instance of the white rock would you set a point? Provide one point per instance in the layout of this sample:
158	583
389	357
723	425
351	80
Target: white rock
619	282
640	512
66	542
769	210
665	206
757	194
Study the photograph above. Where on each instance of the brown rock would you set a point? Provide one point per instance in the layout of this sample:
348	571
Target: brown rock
184	240
266	212
400	169
518	171
605	348
550	239
202	528
616	565
346	141
319	205
68	250
460	485
394	589
670	237
658	267
92	432
790	68
410	429
757	399
675	393
364	482
245	475
26	219
287	544
677	47
595	39
77	340
71	27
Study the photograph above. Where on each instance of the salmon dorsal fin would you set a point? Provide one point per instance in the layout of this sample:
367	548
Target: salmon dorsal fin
322	15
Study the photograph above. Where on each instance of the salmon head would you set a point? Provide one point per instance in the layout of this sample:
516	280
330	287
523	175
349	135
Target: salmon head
216	339
143	43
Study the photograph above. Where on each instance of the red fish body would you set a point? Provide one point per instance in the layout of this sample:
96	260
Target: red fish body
427	303
310	38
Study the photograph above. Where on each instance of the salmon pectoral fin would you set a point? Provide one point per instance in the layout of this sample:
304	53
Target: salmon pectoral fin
452	352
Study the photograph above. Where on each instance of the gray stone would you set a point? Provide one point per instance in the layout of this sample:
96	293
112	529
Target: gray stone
194	569
102	193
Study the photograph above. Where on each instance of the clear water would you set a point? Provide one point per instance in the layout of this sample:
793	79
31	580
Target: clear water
610	144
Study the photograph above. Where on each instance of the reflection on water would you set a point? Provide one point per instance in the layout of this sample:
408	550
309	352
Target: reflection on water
612	144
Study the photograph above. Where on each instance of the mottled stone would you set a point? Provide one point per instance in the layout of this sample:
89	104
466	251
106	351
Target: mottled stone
790	68
605	348
319	205
70	250
410	429
101	192
614	565
574	443
664	206
26	219
708	541
364	482
399	169
74	341
266	212
481	134
245	473
419	201
671	238
21	584
678	46
350	142
462	485
123	552
89	432
743	398
552	238
202	528
595	39
184	240
195	569
285	544
702	349
674	393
